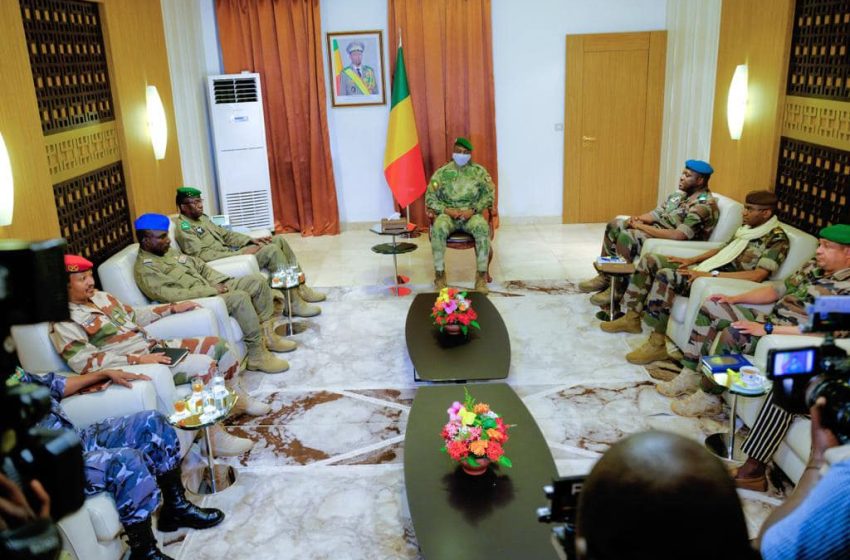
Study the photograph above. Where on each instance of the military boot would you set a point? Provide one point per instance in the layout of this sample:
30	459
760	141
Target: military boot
439	279
142	542
226	445
602	299
630	323
260	359
685	383
246	404
481	283
275	342
301	308
177	511
310	295
596	284
698	404
653	350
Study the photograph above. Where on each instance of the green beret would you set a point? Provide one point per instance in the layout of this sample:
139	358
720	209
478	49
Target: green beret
189	192
761	198
461	141
839	233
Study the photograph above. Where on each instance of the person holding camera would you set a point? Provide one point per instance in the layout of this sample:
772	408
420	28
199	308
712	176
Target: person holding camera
135	458
725	320
813	522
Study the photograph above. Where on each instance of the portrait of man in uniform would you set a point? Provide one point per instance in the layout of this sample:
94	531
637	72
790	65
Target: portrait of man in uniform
356	62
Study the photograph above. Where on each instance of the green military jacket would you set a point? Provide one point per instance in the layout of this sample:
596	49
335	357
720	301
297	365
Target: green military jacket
803	287
203	239
451	186
175	277
695	215
767	252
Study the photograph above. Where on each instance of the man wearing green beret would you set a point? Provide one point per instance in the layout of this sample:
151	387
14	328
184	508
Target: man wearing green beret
458	194
725	325
198	236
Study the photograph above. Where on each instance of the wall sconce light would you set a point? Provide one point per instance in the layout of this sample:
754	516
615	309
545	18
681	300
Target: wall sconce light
7	186
736	103
157	124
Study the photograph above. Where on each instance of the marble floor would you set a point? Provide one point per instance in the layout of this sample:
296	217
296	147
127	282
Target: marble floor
325	479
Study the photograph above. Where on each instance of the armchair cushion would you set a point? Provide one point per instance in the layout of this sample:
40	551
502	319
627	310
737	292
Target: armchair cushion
730	218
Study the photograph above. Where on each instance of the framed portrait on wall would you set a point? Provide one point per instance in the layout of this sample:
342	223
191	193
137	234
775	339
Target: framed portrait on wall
356	68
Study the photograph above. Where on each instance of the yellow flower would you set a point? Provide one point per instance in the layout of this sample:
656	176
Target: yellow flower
481	408
466	417
478	447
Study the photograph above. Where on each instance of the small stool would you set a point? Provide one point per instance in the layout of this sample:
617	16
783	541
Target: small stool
614	271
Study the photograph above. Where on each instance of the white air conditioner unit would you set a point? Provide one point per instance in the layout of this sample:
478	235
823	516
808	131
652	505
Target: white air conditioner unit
239	141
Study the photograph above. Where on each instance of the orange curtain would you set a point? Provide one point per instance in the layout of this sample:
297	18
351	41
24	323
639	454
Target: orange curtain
282	40
448	53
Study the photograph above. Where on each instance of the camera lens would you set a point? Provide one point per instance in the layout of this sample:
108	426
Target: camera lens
836	413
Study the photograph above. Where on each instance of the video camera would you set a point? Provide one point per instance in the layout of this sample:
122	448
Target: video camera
33	288
802	375
563	496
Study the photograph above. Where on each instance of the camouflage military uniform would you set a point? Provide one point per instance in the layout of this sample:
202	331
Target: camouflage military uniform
801	288
173	277
122	456
468	186
694	216
207	241
656	281
109	334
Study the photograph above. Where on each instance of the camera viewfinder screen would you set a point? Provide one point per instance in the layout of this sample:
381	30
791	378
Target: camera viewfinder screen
794	363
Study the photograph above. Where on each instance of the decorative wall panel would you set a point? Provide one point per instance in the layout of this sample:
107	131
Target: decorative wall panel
82	150
818	121
820	54
93	213
812	184
68	62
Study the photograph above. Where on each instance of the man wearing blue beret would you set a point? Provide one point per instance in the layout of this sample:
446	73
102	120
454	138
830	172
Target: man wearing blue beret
689	214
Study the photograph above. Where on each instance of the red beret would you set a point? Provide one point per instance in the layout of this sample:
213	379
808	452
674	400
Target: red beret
76	263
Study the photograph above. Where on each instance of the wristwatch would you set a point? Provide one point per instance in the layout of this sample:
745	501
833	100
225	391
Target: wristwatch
715	273
768	327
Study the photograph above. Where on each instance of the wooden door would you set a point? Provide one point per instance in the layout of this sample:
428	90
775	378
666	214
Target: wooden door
612	136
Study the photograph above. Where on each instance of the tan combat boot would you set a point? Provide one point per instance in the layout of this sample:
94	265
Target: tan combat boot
226	445
685	383
630	323
439	279
698	404
245	404
310	295
596	284
260	359
481	283
653	350
274	342
602	299
301	308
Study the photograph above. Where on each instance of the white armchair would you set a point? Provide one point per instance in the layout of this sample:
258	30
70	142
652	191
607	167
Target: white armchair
117	278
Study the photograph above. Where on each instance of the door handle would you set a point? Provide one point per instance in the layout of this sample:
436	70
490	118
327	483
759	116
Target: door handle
588	138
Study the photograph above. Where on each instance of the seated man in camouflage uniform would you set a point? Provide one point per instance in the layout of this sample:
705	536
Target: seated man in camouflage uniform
164	275
105	333
198	236
135	458
758	250
725	326
689	214
457	194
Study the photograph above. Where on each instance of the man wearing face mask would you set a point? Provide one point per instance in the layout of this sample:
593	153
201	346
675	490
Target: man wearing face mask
457	194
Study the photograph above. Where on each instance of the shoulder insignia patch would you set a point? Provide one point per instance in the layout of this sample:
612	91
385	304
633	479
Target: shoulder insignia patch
200	230
181	259
185	226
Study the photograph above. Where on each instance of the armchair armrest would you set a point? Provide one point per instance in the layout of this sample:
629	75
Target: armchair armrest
84	410
236	266
198	322
673	248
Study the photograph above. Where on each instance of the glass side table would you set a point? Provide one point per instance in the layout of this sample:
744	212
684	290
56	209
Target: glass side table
287	280
723	444
394	249
615	271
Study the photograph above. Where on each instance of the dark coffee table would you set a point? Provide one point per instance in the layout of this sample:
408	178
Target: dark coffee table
490	516
487	355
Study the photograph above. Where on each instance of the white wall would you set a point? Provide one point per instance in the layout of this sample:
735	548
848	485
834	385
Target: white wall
529	55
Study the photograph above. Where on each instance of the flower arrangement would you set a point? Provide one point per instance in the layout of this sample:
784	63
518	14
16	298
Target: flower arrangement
453	308
474	432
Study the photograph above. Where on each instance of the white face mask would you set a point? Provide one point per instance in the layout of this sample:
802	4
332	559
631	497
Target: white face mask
461	159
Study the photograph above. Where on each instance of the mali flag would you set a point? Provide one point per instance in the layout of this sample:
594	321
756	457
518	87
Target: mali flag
337	69
403	165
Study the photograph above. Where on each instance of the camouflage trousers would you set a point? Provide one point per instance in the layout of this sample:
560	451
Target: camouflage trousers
276	255
652	289
207	354
622	241
123	456
250	301
476	226
712	333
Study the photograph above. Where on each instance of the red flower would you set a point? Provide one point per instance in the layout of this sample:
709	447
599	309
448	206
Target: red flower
472	314
457	450
464	319
494	450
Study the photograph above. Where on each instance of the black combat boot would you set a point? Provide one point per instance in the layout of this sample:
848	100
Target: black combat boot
143	543
179	512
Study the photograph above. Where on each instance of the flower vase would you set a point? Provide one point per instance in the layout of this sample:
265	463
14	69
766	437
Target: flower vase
483	465
452	330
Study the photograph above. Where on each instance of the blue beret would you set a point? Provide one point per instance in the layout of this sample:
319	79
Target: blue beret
152	221
701	167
